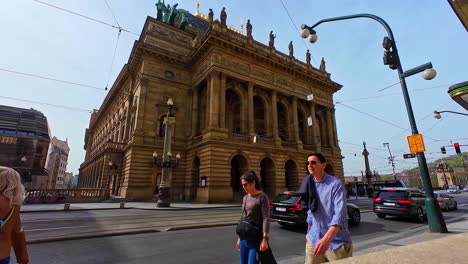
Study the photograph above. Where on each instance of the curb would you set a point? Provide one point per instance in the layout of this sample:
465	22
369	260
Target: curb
123	233
157	209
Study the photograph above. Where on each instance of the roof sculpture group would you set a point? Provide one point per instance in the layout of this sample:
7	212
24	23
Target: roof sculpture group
181	18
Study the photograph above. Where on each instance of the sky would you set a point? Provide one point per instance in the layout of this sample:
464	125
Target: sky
41	40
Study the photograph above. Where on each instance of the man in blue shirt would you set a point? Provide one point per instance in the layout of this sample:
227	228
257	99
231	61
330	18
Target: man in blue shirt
328	237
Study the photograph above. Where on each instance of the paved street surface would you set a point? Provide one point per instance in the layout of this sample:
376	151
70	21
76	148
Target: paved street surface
201	245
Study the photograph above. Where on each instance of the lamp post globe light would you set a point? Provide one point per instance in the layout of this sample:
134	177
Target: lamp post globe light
166	162
434	215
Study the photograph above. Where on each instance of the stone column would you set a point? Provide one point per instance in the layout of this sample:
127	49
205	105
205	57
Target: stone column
295	121
274	113
212	103
250	106
335	132
195	120
315	139
222	102
330	132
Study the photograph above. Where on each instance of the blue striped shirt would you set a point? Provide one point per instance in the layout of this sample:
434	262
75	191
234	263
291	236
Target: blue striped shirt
331	211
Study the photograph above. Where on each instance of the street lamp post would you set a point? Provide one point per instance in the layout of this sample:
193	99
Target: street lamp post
434	215
166	162
391	159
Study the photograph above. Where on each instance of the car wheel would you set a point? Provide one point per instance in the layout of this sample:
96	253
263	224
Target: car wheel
456	206
420	215
381	216
355	217
283	224
446	209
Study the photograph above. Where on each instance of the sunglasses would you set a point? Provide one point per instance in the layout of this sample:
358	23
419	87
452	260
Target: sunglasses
311	162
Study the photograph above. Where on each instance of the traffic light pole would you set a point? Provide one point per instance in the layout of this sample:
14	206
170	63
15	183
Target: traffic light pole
434	215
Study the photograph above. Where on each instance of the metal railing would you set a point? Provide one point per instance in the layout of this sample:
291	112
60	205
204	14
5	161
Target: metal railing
37	196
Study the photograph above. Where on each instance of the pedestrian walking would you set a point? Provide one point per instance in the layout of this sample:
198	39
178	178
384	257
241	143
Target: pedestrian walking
253	229
328	237
11	234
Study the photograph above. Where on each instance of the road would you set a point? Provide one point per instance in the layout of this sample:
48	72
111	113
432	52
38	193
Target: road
205	245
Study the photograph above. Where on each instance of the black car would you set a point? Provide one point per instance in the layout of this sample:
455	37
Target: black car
288	208
406	202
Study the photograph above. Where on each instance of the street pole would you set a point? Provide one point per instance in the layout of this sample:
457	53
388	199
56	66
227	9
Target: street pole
391	159
434	215
365	153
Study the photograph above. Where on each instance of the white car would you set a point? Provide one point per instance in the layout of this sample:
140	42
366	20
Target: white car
465	189
453	190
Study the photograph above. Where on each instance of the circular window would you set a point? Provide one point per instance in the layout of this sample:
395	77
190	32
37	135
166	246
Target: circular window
169	74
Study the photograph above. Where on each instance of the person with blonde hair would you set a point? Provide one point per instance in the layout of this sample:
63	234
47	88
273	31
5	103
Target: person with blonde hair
11	234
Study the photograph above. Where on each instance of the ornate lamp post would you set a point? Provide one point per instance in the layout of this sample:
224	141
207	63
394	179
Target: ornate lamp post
392	59
166	162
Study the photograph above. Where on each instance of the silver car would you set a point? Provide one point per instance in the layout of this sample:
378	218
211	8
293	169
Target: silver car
446	202
453	190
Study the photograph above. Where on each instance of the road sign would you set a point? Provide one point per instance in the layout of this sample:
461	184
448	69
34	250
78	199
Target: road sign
409	156
416	143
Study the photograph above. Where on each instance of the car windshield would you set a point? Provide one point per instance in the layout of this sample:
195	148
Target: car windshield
286	198
393	195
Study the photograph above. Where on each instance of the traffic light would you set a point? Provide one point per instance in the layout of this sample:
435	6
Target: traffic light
457	148
442	149
389	57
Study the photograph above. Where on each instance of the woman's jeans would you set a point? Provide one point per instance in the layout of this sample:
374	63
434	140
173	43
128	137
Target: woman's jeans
5	260
248	252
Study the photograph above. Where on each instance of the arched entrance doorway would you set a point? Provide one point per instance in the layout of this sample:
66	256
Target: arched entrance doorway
194	179
291	176
239	165
267	176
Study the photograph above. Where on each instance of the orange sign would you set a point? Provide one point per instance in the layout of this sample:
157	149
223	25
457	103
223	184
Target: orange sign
416	143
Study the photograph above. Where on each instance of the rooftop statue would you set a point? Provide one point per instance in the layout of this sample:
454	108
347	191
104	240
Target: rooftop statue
322	65
172	14
308	57
291	49
248	27
272	40
210	16
161	7
223	17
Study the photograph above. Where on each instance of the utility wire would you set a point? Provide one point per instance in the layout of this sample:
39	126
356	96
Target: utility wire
87	17
51	79
297	29
117	22
42	103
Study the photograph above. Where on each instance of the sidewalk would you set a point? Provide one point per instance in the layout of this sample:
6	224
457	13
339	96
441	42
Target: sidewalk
424	247
116	205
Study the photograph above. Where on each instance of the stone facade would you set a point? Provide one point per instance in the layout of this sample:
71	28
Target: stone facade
240	105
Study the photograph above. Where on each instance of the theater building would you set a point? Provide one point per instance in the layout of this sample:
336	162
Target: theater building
239	105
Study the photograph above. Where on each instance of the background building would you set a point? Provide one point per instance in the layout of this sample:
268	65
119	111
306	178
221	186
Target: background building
240	105
57	163
24	141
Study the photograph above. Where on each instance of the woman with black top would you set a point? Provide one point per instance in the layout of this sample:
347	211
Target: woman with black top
255	208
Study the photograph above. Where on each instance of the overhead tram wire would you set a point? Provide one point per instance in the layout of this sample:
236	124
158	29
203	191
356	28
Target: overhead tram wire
47	104
364	113
297	29
87	17
51	79
108	6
